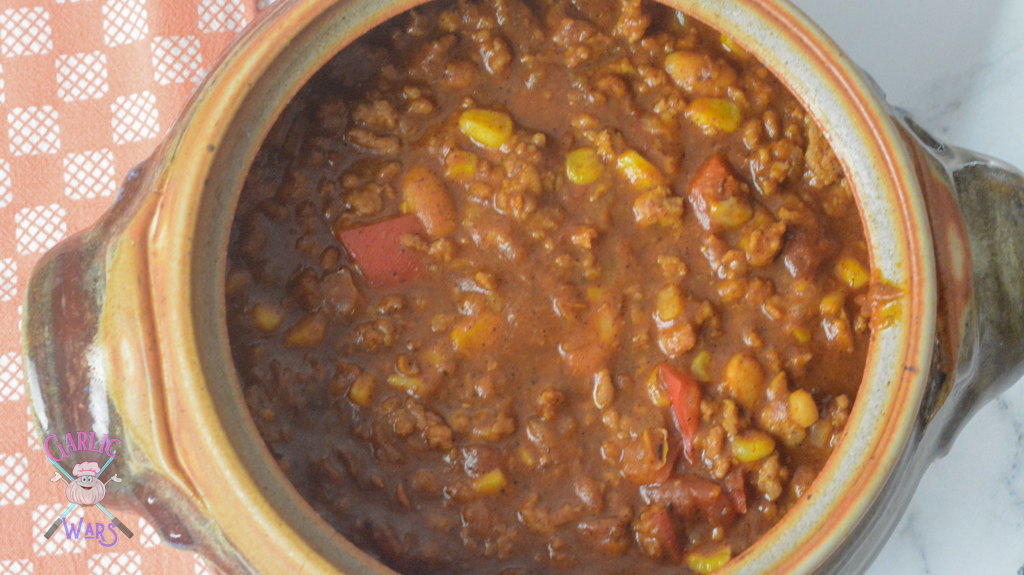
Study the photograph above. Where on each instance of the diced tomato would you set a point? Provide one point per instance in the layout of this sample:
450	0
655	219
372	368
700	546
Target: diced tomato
684	391
737	489
378	250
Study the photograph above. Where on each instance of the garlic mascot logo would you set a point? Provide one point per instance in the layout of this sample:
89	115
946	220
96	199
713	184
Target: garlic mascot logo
86	489
84	486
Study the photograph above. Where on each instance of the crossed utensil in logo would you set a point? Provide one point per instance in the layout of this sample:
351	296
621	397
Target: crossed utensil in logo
53	528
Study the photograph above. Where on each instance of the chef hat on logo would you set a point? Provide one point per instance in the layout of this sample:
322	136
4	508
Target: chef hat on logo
86	468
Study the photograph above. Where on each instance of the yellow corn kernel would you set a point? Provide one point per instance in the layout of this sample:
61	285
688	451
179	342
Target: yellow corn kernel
852	273
476	333
491	482
802	335
307	332
831	304
361	390
406	382
802	409
714	115
752	446
583	166
657	390
744	378
699	366
486	127
729	213
265	317
708	562
669	303
639	171
527	457
459	164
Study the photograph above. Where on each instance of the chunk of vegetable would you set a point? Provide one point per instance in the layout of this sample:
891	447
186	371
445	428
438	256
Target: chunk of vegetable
486	127
852	273
752	446
802	409
476	334
708	561
713	115
362	390
669	304
308	332
265	317
491	482
426	195
583	166
378	251
684	391
649	458
459	164
744	380
639	170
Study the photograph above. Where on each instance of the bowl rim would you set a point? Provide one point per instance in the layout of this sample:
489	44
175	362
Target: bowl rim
202	167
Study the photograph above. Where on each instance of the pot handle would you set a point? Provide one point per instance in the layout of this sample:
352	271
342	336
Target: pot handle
75	366
989	208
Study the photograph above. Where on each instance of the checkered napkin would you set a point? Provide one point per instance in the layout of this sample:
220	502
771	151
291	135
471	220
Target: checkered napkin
87	89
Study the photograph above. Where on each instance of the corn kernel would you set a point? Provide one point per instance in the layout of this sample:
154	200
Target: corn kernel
656	389
669	303
486	127
729	213
802	409
583	166
708	562
752	446
491	482
852	273
361	390
744	378
831	304
802	335
265	317
474	334
714	115
406	382
699	366
459	164
639	171
307	332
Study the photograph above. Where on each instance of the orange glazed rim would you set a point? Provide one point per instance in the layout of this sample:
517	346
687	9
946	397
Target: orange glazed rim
199	172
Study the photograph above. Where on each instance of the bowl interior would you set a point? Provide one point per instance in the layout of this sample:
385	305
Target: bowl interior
240	101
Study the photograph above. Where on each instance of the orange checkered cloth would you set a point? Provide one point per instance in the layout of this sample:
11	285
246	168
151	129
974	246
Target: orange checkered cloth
87	89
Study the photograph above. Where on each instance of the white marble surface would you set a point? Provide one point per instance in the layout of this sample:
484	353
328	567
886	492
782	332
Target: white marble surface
958	67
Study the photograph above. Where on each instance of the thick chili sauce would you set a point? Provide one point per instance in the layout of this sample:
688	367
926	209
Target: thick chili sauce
548	287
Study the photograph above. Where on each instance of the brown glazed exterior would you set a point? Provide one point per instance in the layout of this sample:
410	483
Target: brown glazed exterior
125	331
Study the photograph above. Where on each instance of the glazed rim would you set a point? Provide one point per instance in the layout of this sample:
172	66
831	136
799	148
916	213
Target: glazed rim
216	139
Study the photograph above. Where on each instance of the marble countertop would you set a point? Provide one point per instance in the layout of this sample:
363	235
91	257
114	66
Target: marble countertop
958	67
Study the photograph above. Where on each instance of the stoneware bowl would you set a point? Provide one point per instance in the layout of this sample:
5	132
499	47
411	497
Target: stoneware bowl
125	328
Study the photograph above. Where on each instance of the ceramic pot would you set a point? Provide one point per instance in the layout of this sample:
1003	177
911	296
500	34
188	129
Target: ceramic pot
125	328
